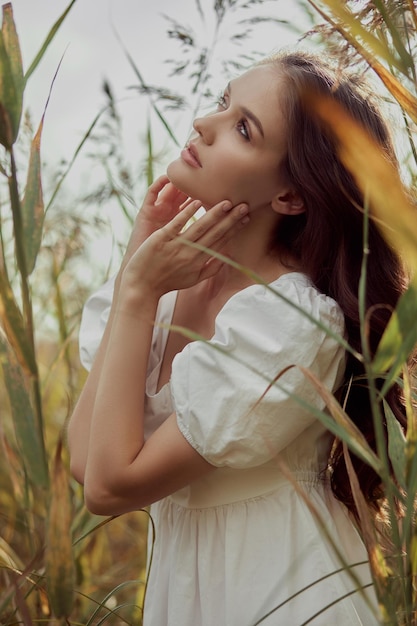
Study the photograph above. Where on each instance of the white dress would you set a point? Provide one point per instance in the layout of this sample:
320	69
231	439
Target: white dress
233	546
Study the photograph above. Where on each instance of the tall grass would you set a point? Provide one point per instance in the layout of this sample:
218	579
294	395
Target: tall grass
44	573
59	564
382	36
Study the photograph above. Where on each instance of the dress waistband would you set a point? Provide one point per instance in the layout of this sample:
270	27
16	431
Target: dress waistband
226	485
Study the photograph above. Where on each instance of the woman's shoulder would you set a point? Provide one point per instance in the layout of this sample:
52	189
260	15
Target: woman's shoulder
291	296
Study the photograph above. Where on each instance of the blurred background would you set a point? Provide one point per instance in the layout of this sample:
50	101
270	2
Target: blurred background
119	83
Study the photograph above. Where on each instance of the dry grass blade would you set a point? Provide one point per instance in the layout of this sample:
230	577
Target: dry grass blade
413	12
355	438
23	608
8	557
351	29
350	568
404	98
379	568
59	560
375	175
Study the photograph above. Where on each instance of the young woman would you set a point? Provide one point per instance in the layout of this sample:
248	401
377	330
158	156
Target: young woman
203	429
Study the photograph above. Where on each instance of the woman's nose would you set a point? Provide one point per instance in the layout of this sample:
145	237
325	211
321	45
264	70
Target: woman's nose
204	126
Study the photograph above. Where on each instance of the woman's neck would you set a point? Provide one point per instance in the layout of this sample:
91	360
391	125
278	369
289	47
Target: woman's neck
252	249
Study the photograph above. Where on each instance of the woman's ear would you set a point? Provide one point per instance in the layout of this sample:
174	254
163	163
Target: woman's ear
288	203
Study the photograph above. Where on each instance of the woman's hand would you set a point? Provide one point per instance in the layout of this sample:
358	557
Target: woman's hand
174	258
162	202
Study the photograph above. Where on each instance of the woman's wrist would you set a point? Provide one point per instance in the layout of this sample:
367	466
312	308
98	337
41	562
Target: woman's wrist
142	229
136	297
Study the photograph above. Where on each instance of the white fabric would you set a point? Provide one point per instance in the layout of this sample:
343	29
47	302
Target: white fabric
232	546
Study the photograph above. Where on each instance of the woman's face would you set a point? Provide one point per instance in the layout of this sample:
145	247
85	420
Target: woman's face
235	152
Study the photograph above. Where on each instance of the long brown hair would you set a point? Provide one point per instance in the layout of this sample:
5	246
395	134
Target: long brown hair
328	238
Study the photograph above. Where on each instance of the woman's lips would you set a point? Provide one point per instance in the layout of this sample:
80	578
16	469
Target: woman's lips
190	156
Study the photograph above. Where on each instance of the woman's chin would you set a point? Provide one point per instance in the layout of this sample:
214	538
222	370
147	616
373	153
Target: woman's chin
187	184
175	177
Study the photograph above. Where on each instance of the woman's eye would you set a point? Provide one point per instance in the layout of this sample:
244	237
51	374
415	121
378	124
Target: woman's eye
243	129
242	126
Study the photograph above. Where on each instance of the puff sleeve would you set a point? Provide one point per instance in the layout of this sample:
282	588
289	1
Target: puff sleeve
94	318
220	388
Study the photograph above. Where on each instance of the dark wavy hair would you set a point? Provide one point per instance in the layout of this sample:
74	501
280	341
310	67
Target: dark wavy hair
327	239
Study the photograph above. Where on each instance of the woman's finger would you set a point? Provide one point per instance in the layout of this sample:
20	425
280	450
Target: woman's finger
216	223
186	203
171	195
177	224
155	189
206	222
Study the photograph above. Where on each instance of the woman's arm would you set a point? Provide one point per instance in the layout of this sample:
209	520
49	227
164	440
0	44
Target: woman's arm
121	472
162	202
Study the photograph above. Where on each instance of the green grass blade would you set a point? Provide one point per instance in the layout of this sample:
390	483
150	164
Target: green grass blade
102	605
75	155
397	445
260	281
329	606
398	340
47	41
410	520
14	326
32	204
149	154
335	573
403	53
94	527
15	78
337	422
28	438
145	87
8	132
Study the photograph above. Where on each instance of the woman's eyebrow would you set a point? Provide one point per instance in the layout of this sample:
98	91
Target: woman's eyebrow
251	116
